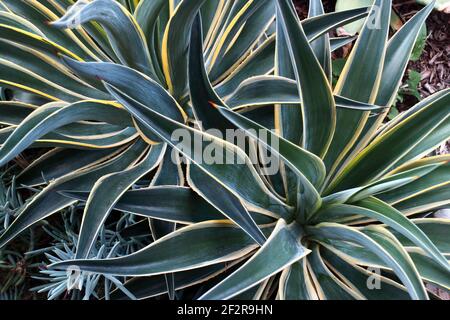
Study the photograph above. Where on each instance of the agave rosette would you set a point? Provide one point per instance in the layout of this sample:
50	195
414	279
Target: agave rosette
105	84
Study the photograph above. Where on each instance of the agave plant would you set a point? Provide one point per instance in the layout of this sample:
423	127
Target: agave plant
130	95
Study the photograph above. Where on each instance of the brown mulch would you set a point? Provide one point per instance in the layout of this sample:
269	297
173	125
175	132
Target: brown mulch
434	64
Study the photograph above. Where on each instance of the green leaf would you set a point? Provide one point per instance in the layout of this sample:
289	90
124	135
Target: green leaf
428	269
240	178
288	118
321	45
148	287
141	87
428	200
432	180
52	116
224	201
13	112
301	161
175	44
398	53
402	136
121	28
55	78
431	142
390	183
268	90
91	34
105	194
34	41
260	61
339	42
329	286
379	211
243	30
147	14
316	26
191	247
200	90
169	203
436	229
49	201
296	283
358	279
59	162
419	46
318	107
281	250
40	16
380	243
307	166
13	20
360	81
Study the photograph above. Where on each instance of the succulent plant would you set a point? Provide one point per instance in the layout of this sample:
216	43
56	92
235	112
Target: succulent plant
137	101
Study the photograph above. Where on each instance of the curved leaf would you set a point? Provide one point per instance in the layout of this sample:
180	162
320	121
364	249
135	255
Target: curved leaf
120	26
191	247
374	160
318	107
382	245
49	201
52	116
360	81
281	249
105	194
224	201
240	177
